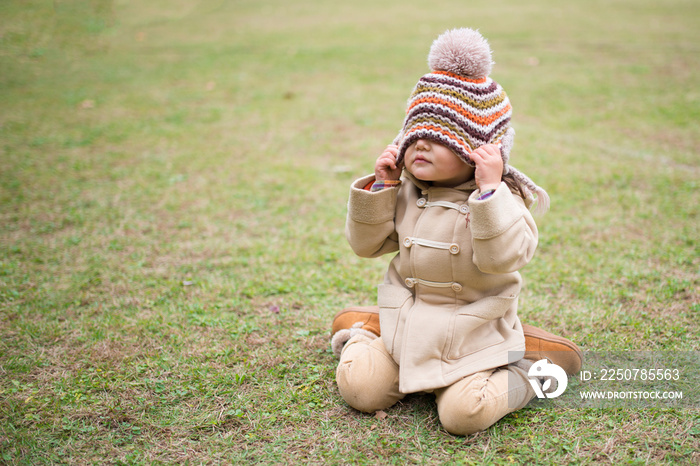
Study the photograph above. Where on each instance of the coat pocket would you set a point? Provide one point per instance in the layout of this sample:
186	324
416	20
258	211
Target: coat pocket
476	326
471	335
393	301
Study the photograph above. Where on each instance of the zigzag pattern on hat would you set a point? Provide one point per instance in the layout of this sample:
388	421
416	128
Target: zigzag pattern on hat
463	113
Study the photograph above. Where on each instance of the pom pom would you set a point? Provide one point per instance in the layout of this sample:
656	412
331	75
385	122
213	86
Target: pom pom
461	51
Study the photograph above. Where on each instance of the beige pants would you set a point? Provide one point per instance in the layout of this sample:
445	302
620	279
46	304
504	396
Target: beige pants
368	380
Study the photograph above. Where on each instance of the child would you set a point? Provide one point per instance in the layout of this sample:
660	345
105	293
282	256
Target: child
460	221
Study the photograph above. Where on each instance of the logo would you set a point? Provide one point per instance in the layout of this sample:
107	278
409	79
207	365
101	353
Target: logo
541	374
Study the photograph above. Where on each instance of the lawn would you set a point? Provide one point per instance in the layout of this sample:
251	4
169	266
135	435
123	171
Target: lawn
173	187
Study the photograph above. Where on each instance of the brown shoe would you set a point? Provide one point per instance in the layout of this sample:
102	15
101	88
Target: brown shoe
354	321
558	350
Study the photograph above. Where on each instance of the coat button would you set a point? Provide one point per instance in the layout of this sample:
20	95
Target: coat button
421	202
464	208
410	282
407	242
454	248
456	287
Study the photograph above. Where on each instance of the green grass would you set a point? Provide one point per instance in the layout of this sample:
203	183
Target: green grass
173	181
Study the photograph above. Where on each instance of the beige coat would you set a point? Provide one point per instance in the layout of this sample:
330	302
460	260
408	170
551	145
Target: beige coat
449	299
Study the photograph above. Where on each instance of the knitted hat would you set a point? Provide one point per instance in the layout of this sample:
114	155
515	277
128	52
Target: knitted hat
459	106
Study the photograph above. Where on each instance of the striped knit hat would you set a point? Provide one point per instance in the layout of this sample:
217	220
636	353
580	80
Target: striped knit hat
459	106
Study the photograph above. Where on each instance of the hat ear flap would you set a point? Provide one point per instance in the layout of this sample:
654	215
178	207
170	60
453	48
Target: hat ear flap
506	146
397	139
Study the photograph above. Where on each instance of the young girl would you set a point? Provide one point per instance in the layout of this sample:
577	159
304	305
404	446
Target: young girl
460	221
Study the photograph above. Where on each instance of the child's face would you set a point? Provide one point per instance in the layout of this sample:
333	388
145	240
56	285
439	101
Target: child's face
431	161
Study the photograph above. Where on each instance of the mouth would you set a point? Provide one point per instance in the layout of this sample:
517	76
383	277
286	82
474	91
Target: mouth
420	159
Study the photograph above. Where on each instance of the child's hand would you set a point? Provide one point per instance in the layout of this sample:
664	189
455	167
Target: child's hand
386	168
489	166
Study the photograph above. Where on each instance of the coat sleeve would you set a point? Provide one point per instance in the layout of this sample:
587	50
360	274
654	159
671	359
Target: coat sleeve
369	227
504	234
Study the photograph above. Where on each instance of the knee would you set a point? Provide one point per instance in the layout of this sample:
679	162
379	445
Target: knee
466	416
359	391
367	377
467	421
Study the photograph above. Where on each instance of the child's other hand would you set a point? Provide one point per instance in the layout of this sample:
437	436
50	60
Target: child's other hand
386	168
489	166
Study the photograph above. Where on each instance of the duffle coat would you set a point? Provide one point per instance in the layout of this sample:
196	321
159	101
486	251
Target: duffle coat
448	304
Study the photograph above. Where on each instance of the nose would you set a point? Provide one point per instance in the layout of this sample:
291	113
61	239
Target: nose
423	144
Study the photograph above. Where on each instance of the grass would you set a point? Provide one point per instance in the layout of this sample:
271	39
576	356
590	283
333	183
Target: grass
173	180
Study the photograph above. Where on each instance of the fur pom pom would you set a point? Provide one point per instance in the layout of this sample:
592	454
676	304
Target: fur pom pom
461	51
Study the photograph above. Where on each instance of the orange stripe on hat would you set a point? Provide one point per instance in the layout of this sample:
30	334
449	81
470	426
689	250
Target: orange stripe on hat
461	110
442	131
